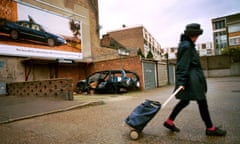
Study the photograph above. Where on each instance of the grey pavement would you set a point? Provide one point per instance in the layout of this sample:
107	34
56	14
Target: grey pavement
102	124
14	108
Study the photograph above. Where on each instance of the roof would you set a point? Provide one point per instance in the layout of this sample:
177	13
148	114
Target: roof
226	16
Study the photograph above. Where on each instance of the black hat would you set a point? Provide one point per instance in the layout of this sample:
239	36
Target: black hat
193	30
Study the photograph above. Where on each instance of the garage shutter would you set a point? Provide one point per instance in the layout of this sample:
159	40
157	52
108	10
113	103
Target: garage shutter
149	75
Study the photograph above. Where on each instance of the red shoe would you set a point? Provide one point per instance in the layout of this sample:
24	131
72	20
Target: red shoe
173	128
216	132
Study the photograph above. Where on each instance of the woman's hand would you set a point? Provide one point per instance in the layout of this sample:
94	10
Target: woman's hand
182	87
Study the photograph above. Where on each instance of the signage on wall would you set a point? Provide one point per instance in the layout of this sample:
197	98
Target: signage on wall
39	33
2	64
37	52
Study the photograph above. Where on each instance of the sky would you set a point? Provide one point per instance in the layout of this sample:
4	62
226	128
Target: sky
164	19
58	24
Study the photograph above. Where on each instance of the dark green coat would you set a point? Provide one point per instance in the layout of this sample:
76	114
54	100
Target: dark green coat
189	72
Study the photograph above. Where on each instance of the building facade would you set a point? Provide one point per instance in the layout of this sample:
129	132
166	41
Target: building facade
226	32
135	38
171	52
205	49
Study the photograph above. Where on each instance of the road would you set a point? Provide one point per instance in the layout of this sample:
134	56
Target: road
102	124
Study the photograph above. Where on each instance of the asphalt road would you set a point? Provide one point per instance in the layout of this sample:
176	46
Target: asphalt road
102	124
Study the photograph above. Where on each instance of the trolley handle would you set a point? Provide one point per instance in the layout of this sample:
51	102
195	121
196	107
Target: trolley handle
167	101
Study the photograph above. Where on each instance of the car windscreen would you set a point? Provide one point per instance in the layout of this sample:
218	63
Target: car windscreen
94	77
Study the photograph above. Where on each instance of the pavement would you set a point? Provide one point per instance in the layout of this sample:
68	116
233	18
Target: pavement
14	108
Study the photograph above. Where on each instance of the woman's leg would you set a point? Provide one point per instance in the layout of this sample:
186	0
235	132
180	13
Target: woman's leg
178	108
203	108
211	130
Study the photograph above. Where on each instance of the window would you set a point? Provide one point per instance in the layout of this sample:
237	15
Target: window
219	24
209	45
220	39
234	41
113	44
209	51
204	46
234	28
35	27
25	25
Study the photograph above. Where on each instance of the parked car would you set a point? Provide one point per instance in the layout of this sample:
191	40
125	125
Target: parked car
106	81
31	31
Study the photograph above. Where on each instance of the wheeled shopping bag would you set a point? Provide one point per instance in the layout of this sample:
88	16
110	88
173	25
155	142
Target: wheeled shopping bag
142	114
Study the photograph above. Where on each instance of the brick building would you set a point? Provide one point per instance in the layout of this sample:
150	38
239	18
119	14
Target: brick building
226	32
134	38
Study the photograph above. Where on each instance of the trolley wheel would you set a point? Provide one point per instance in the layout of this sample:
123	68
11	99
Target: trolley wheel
134	135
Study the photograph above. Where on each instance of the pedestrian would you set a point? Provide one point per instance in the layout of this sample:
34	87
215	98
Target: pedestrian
190	77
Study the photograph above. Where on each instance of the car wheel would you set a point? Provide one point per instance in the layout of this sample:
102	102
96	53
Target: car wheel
115	89
123	90
79	90
14	34
51	42
91	91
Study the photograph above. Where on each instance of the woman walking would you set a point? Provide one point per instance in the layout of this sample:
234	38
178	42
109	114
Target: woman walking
190	77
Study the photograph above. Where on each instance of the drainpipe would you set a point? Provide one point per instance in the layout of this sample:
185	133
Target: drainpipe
157	74
166	56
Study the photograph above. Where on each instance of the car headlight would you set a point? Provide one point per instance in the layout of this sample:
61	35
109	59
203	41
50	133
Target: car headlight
128	81
138	84
119	79
62	40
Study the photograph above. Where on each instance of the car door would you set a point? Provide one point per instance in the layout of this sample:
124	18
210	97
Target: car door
37	33
31	31
24	29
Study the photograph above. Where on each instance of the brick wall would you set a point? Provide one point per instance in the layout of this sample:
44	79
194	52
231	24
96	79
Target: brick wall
8	10
75	72
58	88
130	38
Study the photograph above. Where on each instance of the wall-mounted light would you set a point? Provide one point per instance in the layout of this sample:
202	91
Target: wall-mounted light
65	61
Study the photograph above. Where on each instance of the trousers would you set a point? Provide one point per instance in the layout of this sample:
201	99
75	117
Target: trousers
203	109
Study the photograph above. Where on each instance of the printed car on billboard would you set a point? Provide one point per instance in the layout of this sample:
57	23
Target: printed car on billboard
29	30
37	32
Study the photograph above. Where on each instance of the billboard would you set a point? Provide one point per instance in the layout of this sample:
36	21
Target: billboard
39	33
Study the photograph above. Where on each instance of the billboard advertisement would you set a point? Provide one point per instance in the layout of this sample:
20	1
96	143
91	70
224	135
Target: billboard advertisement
38	33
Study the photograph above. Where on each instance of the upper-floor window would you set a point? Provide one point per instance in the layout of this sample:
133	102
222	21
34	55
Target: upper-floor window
234	28
219	24
204	46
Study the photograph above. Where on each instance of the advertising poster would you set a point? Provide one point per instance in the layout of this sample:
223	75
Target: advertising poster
38	33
